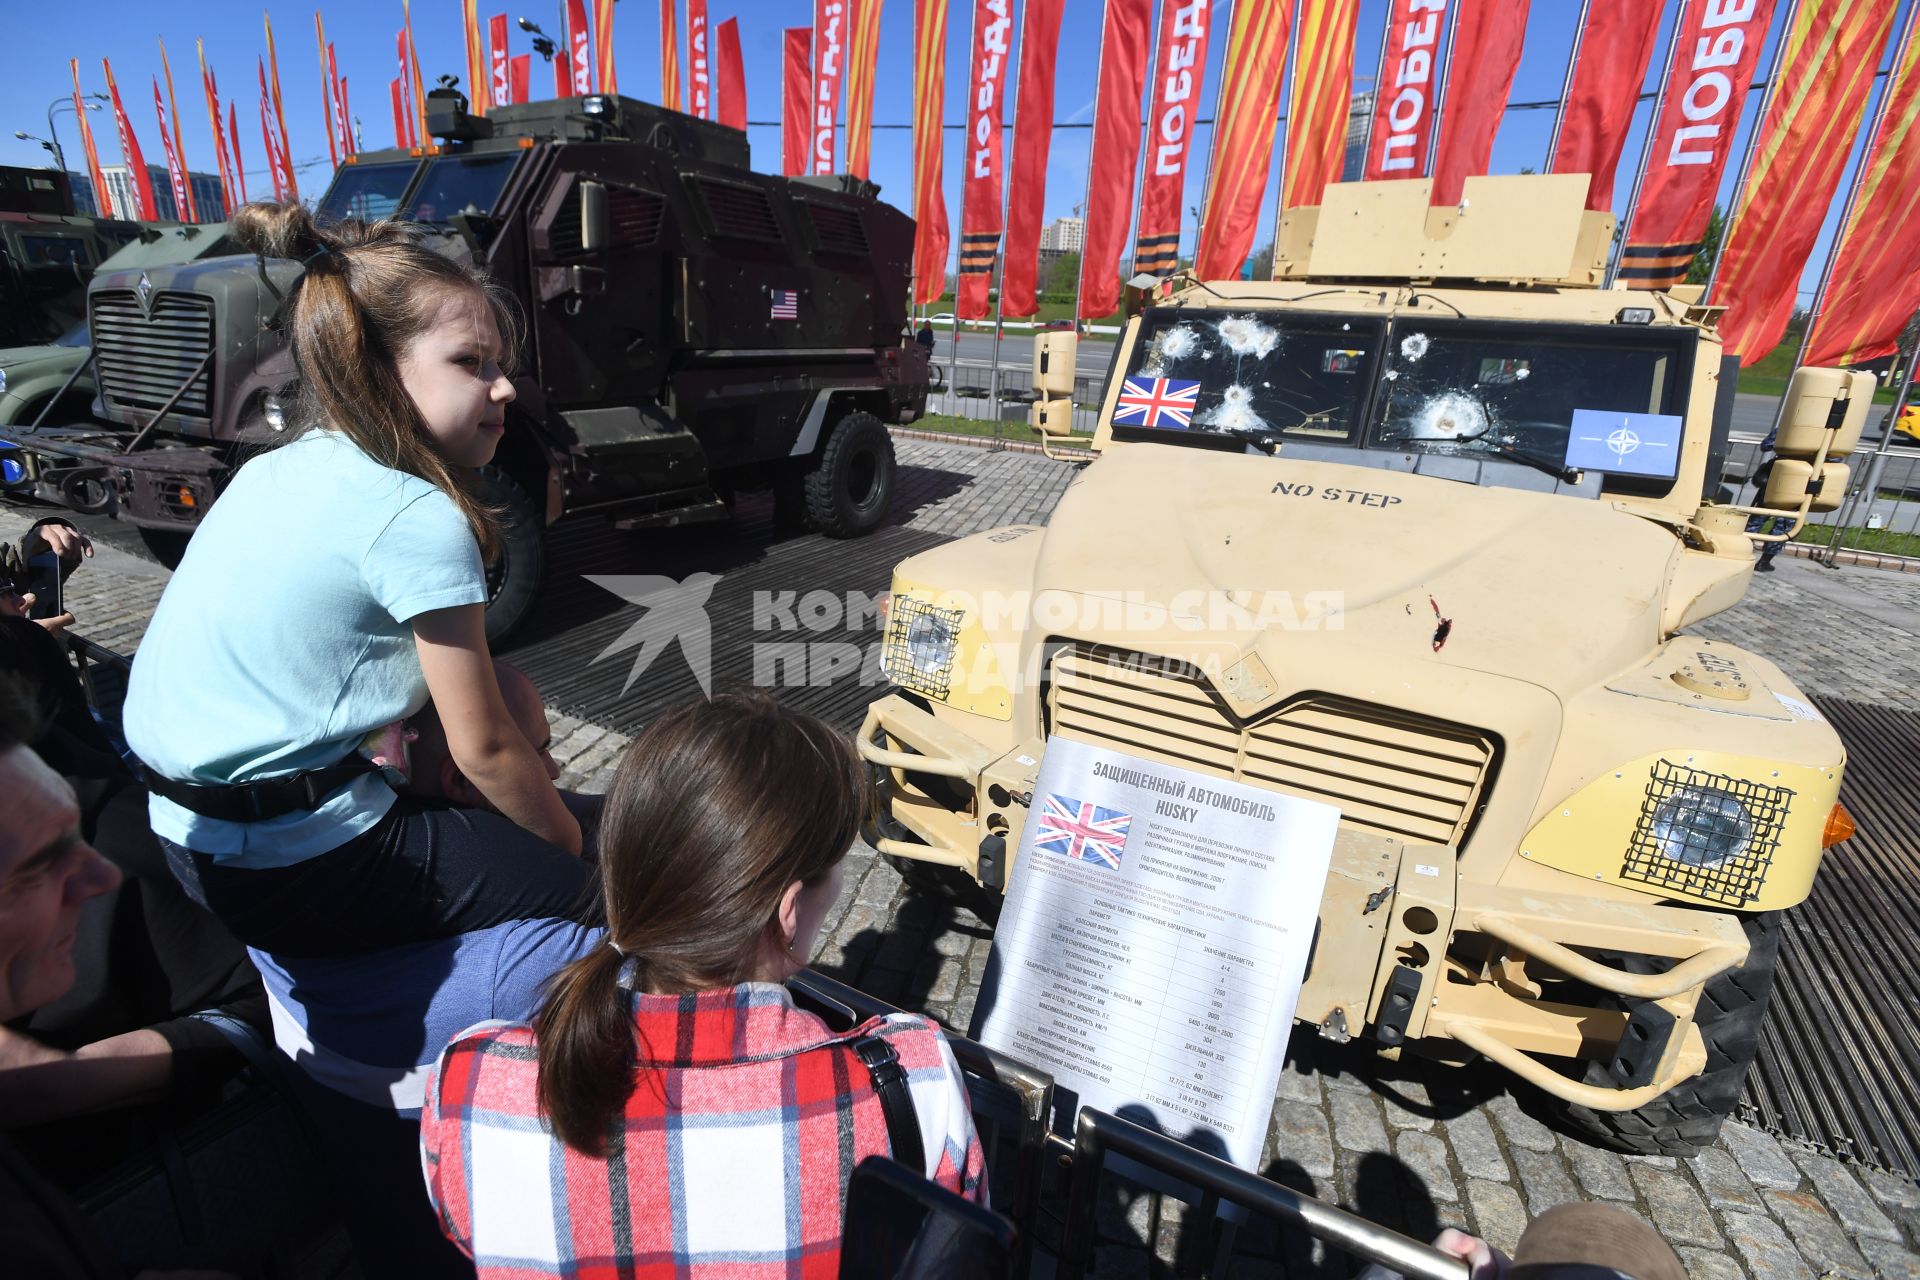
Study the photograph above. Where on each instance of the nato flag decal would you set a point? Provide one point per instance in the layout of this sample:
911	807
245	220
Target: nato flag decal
1631	444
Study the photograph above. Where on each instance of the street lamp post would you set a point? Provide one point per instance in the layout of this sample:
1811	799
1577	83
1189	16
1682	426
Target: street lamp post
59	157
58	160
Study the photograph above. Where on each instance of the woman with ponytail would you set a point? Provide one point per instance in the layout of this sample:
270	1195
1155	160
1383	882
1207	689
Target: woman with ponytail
337	584
669	1101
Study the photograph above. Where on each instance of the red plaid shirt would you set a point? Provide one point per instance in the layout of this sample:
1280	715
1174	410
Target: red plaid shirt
747	1120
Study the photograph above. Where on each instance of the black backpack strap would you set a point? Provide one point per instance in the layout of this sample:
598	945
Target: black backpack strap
890	1082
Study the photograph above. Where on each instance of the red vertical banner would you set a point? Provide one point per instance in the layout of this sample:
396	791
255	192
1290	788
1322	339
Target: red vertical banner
214	126
730	75
579	48
499	61
829	63
95	173
1178	73
233	137
1125	37
669	50
1402	132
1714	56
863	59
280	119
190	209
519	78
1032	142
326	91
1872	286
141	181
1832	54
1480	68
1608	68
479	91
1249	99
403	104
796	105
699	61
980	188
276	159
400	137
1322	101
930	235
176	176
343	118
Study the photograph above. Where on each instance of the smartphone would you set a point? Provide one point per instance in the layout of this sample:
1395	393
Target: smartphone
43	581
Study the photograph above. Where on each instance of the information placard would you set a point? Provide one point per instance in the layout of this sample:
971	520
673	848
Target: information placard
1154	940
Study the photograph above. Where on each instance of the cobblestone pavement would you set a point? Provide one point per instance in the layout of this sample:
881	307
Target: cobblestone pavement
1415	1146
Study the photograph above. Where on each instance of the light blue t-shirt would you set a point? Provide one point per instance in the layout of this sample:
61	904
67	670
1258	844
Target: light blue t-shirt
283	640
371	1025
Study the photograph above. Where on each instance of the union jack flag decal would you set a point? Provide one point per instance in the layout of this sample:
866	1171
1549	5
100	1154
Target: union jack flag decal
1082	831
1157	402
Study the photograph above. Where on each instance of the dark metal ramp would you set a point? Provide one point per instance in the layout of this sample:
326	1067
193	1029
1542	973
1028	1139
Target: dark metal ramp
1839	1062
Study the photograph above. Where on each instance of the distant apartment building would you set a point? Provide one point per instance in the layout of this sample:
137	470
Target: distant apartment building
1359	116
1064	235
207	198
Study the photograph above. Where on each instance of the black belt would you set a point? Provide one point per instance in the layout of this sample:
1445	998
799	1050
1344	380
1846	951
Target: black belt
258	801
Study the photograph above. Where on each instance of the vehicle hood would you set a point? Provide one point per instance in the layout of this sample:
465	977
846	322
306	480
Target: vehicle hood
20	362
1555	590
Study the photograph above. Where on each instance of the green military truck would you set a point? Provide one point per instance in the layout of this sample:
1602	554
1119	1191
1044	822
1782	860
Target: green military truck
695	330
47	255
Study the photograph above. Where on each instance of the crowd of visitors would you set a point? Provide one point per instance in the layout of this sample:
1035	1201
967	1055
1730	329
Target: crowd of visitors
535	1034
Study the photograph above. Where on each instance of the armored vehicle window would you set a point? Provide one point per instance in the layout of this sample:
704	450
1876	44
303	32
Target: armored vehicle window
1251	376
366	191
460	184
47	251
1450	387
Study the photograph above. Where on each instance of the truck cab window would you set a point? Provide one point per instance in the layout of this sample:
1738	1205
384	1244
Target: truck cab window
367	191
460	184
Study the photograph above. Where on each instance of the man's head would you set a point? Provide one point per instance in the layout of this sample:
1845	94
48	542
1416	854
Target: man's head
434	772
46	870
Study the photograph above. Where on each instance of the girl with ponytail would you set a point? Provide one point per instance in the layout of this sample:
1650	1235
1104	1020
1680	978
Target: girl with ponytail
669	1100
337	584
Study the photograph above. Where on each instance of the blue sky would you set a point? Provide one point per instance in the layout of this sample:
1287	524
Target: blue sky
363	32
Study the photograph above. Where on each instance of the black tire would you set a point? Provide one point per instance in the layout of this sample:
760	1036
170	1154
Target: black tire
513	580
1686	1119
949	885
167	545
850	487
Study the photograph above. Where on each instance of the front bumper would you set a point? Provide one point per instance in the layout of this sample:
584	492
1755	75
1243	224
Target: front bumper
1473	964
85	469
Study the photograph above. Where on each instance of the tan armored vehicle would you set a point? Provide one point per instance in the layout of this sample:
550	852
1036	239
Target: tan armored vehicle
1415	530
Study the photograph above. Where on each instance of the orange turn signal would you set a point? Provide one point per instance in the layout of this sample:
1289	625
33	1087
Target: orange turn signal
882	603
1839	827
186	497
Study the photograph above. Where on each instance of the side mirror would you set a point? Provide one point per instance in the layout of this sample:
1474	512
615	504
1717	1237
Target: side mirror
1792	481
1819	401
1051	417
595	228
1055	356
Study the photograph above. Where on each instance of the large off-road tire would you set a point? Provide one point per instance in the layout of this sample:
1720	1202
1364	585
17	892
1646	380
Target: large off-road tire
850	487
513	580
1686	1119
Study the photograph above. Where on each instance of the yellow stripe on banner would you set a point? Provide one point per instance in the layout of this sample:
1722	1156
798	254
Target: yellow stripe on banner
1250	24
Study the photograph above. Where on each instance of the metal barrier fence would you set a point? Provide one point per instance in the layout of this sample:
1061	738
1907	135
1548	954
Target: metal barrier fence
1051	1187
976	391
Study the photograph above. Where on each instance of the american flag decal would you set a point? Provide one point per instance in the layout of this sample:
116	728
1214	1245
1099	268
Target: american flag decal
1157	402
1082	831
786	304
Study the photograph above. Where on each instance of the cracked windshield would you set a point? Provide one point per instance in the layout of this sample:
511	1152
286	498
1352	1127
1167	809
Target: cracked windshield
1454	388
1242	374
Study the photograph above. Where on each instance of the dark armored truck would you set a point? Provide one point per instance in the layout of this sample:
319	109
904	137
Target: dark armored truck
694	330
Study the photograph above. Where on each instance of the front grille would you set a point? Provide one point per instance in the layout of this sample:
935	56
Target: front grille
142	358
1387	771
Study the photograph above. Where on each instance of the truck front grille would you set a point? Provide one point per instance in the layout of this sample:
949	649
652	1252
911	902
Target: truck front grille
142	358
1388	772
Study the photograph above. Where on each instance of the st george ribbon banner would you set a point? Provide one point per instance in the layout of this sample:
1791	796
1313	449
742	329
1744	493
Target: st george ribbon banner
930	235
1480	70
1609	64
1032	142
477	79
1401	136
1322	100
796	105
829	65
980	189
730	76
699	61
499	60
1873	286
1244	111
1833	50
603	52
1177	82
1714	55
95	173
142	181
863	62
1125	37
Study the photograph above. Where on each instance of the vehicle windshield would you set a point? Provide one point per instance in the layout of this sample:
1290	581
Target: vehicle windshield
366	191
1253	376
1602	398
460	184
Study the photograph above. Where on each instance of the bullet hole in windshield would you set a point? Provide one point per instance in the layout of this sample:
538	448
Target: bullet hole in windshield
1414	346
1233	413
1246	336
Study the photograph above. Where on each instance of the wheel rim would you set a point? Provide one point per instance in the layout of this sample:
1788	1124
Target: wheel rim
863	478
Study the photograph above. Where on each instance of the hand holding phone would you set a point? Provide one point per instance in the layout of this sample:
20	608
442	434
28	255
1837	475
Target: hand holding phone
43	584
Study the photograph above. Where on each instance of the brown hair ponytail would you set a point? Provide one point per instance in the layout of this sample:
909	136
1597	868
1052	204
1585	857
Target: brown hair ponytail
716	808
369	289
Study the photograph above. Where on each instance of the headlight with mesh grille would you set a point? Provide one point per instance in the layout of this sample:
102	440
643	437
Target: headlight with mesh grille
1701	826
918	654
